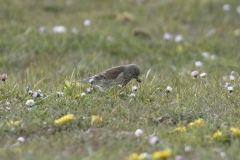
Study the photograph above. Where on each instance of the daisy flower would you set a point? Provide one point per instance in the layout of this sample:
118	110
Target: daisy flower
30	102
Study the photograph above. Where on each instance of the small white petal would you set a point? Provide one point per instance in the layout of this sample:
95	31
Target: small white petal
89	89
35	94
59	29
119	86
21	139
60	93
232	78
179	157
198	63
188	149
203	74
133	95
222	154
134	88
138	132
179	38
153	140
237	31
226	7
83	94
230	88
7	108
167	36
169	89
7	103
194	74
87	22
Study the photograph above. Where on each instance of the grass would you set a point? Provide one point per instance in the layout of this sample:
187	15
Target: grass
35	60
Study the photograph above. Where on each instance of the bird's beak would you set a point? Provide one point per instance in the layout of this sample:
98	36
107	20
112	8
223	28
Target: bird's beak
138	80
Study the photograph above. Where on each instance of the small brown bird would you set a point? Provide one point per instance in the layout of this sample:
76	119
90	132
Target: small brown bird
116	76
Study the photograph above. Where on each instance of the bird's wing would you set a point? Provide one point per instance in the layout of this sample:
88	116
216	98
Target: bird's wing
110	73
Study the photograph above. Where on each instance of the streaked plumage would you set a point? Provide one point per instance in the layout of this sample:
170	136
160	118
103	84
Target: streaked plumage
115	76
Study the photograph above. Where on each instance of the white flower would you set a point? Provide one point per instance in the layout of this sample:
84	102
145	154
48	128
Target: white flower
153	140
226	7
188	149
133	95
83	94
21	139
119	86
198	63
35	94
59	29
179	157
87	22
7	108
213	57
238	9
134	88
7	103
179	38
167	36
30	102
232	78
60	93
203	74
205	54
194	74
75	31
30	92
42	29
237	31
230	88
138	132
168	89
89	89
222	154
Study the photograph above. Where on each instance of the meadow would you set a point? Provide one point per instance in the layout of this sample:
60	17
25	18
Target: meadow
185	108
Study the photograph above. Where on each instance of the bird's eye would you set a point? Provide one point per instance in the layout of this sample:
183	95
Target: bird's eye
133	74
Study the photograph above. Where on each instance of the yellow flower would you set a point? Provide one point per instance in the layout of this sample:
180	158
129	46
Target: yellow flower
235	131
77	96
64	119
13	123
161	154
217	134
198	122
133	156
180	129
96	120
